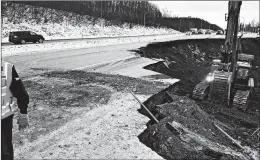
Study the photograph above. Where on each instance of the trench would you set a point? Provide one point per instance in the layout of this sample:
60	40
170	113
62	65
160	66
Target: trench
197	137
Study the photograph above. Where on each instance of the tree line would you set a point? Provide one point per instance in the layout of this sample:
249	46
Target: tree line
118	12
252	26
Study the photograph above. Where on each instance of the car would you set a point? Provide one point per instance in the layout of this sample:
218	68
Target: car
21	37
219	32
200	31
194	32
208	32
188	33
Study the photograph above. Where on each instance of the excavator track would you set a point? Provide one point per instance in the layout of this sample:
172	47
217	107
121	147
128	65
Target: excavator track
241	99
200	91
219	87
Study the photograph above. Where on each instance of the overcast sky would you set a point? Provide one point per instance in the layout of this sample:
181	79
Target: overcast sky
211	11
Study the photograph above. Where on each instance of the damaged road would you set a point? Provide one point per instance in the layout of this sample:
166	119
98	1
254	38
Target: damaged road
84	115
63	89
66	103
186	129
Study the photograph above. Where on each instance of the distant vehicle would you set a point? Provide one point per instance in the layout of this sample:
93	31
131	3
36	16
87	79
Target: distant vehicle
194	31
219	32
188	33
200	31
21	37
208	32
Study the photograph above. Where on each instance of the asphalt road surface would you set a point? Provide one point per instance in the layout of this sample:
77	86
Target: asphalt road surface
117	59
82	39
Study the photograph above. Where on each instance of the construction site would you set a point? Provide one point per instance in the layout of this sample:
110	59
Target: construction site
191	133
213	111
173	97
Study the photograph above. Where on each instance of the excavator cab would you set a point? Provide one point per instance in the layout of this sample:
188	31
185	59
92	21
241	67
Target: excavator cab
242	77
243	85
243	80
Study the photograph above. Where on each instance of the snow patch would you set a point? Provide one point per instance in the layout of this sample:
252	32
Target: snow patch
11	50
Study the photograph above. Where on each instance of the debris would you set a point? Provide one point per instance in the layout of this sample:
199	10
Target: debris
246	150
145	108
235	141
255	131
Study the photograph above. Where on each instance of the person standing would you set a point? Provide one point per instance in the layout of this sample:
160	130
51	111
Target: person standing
12	87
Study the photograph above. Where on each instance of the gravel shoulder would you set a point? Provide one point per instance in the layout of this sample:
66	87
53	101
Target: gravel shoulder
107	132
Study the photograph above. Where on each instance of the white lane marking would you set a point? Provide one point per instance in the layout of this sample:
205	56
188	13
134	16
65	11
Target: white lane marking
97	64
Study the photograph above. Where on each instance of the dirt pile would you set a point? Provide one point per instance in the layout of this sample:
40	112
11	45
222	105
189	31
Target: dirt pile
200	139
191	135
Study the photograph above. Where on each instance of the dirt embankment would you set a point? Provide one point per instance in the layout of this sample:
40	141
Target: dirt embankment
197	137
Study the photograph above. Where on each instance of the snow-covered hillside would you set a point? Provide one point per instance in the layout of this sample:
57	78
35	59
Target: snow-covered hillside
65	25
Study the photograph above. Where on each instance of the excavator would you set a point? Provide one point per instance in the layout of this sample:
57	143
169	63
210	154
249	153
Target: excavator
229	81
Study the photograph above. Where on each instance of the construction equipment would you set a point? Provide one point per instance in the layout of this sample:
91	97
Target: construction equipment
229	81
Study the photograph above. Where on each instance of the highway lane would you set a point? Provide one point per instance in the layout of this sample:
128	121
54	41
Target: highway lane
83	39
117	57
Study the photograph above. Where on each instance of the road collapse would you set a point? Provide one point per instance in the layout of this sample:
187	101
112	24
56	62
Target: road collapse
189	129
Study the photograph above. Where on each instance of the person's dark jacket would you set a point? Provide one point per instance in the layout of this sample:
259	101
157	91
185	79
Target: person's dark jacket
18	90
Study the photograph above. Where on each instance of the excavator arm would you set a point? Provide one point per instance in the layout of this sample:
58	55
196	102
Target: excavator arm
231	39
219	83
220	87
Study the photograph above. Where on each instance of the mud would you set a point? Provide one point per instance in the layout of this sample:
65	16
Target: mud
190	61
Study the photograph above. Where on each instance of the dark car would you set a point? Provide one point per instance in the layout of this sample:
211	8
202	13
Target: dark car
194	32
219	32
21	37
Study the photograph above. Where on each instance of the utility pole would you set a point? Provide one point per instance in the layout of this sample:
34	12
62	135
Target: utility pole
189	22
144	17
101	9
242	29
201	24
180	26
209	25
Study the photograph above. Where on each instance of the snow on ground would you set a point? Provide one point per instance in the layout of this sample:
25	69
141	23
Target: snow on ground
77	44
19	49
166	81
64	25
62	31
